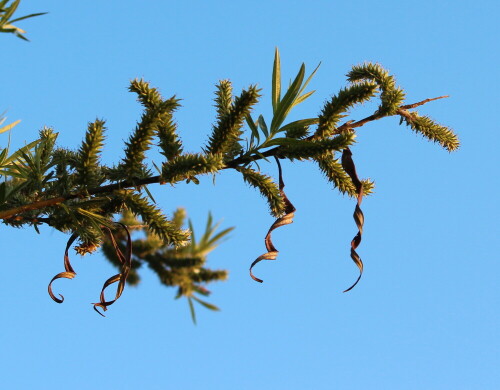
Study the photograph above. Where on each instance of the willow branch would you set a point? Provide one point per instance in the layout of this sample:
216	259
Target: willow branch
242	160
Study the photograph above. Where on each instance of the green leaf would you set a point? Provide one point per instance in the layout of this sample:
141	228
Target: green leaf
301	123
253	127
27	16
285	141
191	310
308	81
22	151
149	193
9	11
191	229
301	98
206	304
219	236
286	103
8	127
276	81
263	126
208	229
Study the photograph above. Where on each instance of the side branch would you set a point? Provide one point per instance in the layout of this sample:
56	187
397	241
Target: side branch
351	125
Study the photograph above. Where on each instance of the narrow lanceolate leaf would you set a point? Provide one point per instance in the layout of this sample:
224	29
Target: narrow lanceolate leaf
253	127
350	169
190	165
157	223
431	130
301	123
207	305
285	219
87	164
267	188
191	310
226	132
301	97
286	104
333	110
9	126
276	81
391	97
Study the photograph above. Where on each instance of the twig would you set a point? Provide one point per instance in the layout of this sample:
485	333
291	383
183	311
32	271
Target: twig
407	107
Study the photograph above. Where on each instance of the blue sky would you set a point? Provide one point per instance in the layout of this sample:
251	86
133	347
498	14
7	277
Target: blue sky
425	314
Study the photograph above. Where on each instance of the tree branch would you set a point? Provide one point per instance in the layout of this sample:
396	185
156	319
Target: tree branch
109	188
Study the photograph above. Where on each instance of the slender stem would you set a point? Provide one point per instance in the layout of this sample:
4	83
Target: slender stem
407	107
109	188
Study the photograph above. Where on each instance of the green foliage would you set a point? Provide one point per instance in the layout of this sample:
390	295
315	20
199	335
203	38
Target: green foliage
8	127
223	99
227	131
335	109
334	173
391	97
267	188
431	130
7	9
304	149
87	163
166	129
188	166
74	192
157	223
183	267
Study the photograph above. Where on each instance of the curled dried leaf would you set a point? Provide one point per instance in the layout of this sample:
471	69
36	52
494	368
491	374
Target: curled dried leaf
68	274
286	219
350	169
121	278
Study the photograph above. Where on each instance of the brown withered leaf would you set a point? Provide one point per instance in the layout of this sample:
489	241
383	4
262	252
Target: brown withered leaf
68	274
286	219
121	278
350	169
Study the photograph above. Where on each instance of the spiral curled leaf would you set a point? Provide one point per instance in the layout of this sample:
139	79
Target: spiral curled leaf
285	219
69	272
350	169
121	278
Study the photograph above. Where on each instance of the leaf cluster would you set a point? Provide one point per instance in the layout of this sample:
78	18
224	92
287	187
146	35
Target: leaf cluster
183	267
7	10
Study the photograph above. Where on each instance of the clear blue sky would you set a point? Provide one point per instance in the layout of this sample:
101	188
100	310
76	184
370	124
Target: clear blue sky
425	315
